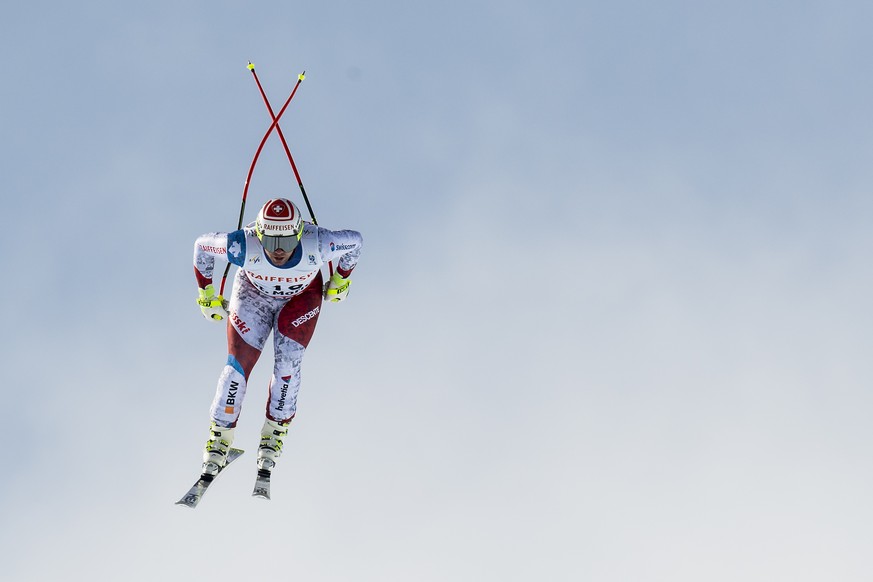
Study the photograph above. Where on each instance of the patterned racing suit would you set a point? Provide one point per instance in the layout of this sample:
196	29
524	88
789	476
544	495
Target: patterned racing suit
285	300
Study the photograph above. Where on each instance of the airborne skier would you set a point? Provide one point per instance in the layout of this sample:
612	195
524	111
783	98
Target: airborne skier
278	288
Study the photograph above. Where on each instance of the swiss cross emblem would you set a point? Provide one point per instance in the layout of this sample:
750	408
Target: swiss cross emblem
278	208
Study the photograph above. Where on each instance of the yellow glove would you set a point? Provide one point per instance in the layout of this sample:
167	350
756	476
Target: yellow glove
212	306
337	289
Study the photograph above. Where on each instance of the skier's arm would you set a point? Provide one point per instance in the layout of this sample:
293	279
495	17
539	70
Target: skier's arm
226	246
343	246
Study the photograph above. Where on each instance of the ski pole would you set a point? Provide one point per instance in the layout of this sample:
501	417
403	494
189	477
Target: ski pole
275	124
300	78
275	119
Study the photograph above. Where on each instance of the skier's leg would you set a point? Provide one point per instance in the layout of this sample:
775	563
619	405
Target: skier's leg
285	383
231	389
282	400
295	324
249	324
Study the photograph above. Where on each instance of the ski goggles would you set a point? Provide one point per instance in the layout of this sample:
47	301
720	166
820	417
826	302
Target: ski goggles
272	244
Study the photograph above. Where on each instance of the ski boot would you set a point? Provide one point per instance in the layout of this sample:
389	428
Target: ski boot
270	448
215	455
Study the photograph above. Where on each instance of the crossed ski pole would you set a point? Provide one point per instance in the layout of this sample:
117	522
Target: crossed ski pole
274	125
282	135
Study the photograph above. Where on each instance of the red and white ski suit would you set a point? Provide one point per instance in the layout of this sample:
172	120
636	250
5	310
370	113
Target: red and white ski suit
284	300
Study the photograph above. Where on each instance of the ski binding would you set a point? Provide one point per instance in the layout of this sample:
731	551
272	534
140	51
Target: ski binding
195	494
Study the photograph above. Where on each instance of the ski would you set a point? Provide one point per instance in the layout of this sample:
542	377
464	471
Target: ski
262	484
195	494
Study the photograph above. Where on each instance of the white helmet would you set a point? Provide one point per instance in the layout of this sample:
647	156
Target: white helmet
279	225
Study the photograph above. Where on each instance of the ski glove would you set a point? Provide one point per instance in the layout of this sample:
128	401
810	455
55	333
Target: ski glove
212	306
337	289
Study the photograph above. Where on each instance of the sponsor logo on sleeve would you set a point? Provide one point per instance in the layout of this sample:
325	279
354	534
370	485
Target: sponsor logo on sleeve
336	247
211	249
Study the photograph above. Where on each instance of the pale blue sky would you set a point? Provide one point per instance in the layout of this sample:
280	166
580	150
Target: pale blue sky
611	322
